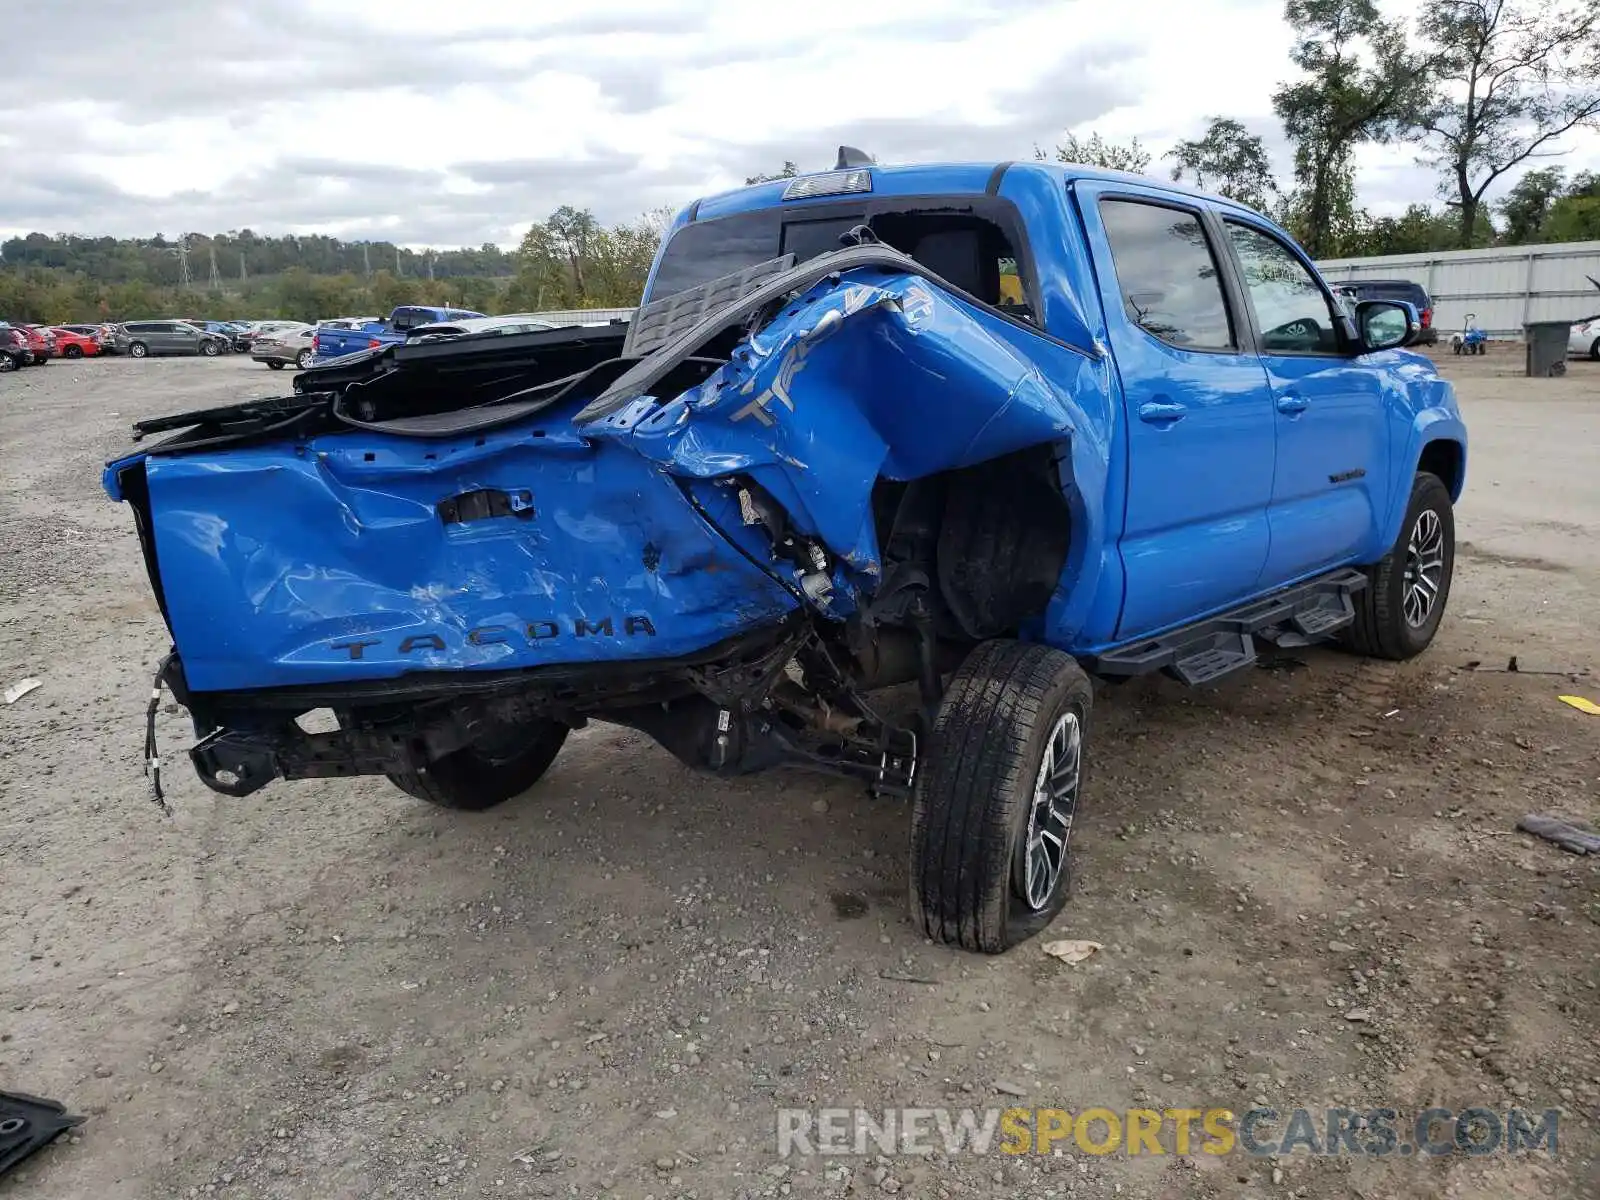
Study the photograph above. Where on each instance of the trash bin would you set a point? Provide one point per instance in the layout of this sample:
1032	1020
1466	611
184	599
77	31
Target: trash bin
1547	347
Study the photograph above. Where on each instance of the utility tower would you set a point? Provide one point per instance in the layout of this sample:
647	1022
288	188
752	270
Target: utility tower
366	257
216	275
183	263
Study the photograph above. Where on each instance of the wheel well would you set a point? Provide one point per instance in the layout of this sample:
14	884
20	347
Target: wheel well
1446	460
991	538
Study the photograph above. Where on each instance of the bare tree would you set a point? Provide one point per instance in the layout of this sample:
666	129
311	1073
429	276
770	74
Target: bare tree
1511	77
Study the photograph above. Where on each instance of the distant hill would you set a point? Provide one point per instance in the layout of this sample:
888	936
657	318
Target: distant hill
72	278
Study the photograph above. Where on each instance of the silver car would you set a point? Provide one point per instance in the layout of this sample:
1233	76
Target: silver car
282	346
510	323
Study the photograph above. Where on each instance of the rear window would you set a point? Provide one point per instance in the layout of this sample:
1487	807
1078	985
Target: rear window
972	242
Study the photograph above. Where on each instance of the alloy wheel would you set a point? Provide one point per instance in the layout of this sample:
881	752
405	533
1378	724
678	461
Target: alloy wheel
1424	572
1055	799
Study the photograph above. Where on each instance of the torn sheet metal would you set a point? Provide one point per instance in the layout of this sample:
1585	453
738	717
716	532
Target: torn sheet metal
869	374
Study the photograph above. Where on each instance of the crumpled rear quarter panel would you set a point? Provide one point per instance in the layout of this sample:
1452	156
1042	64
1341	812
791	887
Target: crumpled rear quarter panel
332	565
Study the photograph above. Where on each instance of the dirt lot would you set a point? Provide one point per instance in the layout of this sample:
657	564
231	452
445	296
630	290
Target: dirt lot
331	990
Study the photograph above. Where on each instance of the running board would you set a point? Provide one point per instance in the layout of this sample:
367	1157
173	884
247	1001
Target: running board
1218	646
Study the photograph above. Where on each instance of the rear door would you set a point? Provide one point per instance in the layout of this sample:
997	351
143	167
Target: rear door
1328	491
1199	417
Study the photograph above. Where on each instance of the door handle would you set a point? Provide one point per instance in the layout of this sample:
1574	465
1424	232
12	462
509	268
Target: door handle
1291	405
1158	413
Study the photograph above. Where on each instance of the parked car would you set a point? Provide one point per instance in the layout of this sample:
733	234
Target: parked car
15	349
104	335
285	346
41	341
334	343
138	339
1584	340
512	323
1411	292
823	459
70	343
225	331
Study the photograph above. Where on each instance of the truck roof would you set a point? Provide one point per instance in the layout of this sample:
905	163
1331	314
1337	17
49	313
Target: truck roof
928	179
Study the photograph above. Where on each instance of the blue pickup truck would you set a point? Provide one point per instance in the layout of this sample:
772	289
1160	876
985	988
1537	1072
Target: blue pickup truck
335	343
832	453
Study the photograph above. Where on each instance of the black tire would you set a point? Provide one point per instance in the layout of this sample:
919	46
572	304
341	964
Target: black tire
209	349
476	778
1457	348
72	352
303	360
8	363
1382	628
975	794
274	364
137	350
1594	350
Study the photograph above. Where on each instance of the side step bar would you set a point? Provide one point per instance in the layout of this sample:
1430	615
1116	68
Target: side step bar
1217	646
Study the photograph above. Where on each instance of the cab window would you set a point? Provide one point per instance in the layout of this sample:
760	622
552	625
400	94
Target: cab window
1292	311
1167	274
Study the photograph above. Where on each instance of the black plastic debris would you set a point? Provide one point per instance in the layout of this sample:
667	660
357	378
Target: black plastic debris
28	1123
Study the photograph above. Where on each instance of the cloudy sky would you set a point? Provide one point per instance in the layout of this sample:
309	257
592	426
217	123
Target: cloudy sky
446	124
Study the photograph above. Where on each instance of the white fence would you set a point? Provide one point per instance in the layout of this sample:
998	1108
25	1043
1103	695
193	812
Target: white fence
584	316
1503	286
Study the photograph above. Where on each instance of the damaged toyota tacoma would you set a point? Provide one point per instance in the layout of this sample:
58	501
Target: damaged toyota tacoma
981	433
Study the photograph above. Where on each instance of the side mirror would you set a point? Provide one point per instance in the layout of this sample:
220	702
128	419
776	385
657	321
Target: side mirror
1386	324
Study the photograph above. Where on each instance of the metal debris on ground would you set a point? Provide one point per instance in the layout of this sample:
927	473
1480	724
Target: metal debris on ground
28	1123
1567	834
1071	950
21	688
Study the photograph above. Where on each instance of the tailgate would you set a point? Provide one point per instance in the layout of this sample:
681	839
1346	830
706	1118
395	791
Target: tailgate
361	555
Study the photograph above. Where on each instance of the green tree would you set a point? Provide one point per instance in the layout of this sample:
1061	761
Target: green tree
1227	159
1526	207
1510	77
1095	151
1361	84
789	172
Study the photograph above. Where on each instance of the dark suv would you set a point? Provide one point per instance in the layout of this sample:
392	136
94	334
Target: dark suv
14	351
1395	289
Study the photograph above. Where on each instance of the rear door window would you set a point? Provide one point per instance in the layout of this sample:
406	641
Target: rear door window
1167	274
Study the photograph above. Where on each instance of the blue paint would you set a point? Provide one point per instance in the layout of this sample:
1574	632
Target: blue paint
1192	486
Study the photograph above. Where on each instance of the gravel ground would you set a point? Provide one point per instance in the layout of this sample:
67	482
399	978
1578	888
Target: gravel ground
610	985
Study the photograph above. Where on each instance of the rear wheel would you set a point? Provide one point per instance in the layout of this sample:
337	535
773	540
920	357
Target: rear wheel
8	363
1594	350
73	352
489	772
996	797
1399	610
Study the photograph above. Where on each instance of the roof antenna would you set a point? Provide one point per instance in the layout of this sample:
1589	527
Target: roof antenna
849	157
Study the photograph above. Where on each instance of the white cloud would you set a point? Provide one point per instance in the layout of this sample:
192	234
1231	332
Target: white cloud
454	125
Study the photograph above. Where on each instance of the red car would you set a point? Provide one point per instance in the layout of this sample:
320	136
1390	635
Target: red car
41	341
72	344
